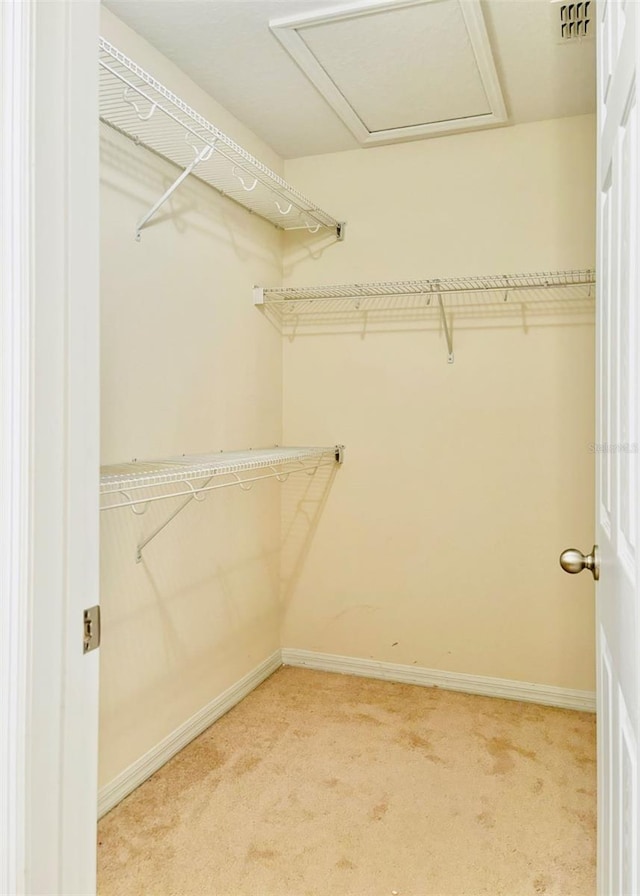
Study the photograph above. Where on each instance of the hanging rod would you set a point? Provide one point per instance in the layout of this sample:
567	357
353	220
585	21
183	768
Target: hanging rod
135	104
138	484
444	295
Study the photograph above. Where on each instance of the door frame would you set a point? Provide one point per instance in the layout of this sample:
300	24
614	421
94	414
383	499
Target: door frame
49	453
49	444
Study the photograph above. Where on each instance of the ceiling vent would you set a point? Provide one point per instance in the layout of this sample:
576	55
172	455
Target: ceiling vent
573	21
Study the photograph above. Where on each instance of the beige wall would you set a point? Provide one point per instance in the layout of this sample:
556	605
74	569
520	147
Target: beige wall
187	365
438	543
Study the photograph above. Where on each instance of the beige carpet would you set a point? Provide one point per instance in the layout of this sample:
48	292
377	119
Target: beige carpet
328	785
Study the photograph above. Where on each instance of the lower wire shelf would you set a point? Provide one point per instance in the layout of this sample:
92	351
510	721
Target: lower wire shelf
139	483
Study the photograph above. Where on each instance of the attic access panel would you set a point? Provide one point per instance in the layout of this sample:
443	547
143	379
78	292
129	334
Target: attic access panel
399	69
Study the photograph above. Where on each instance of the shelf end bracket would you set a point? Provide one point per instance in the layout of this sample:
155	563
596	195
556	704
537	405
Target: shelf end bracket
341	227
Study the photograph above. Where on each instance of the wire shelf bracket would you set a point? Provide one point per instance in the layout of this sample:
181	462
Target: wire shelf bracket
201	156
133	103
138	484
446	297
447	331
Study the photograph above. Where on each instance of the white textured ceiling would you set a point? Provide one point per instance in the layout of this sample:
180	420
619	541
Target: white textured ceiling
227	48
438	77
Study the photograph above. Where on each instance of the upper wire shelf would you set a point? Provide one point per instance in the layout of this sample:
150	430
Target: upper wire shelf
134	103
140	483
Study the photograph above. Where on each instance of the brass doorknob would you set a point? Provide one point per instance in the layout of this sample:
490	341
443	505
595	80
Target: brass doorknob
572	560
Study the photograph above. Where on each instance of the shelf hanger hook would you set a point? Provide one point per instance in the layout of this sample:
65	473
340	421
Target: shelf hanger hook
239	177
197	493
129	99
143	505
243	485
283	211
311	228
311	472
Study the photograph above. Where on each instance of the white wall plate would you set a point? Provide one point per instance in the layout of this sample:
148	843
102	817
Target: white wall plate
396	70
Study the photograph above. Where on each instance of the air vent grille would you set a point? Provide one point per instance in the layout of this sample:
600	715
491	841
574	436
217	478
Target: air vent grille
575	20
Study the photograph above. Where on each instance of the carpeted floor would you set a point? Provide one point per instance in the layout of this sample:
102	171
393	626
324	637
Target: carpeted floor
327	785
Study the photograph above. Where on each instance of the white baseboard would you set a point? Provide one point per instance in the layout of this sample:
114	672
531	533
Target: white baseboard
137	773
449	681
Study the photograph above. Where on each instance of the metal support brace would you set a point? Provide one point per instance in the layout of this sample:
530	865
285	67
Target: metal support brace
447	332
162	526
202	156
199	492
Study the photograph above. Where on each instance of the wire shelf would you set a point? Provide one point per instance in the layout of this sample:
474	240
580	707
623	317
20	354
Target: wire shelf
135	104
438	300
138	475
140	483
457	291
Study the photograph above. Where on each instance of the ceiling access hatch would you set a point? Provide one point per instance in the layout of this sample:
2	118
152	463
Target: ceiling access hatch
399	69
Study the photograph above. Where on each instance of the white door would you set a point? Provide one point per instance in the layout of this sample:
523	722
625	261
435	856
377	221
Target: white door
48	445
618	464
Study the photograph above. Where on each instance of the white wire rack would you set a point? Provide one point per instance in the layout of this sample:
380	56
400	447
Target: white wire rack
134	103
421	297
139	483
495	285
